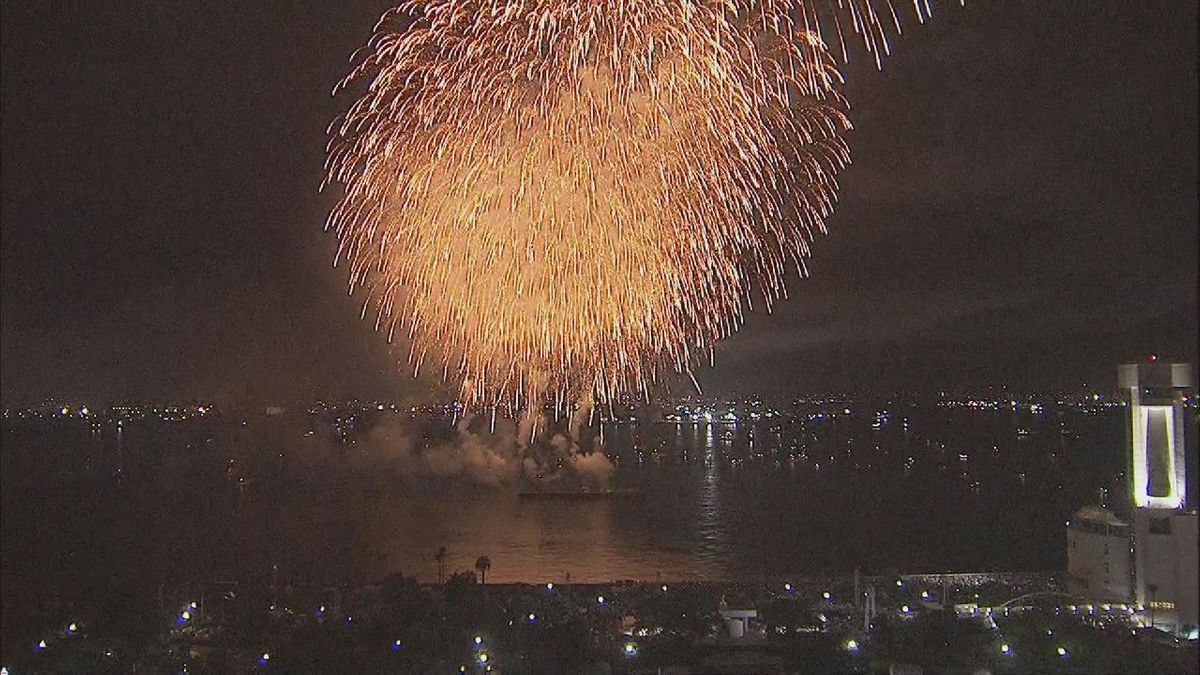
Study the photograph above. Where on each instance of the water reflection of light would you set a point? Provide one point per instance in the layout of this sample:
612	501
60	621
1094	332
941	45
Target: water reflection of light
711	528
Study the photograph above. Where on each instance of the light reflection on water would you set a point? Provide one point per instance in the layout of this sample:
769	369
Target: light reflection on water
717	502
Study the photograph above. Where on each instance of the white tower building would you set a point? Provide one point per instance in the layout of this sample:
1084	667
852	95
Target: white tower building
1151	560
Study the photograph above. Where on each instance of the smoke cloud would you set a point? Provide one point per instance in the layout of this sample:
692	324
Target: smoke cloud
533	452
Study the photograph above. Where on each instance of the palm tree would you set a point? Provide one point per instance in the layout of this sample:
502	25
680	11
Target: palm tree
441	563
1152	588
483	564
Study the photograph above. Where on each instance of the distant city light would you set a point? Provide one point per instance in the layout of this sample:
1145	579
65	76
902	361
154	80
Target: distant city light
72	628
664	587
1004	648
600	599
483	657
549	586
395	645
899	583
924	595
532	617
264	658
1063	652
40	645
787	587
851	645
185	615
827	595
478	639
630	649
904	609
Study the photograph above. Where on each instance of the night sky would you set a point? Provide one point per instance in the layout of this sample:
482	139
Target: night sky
1021	210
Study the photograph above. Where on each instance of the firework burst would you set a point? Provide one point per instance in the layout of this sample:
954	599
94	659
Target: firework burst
558	200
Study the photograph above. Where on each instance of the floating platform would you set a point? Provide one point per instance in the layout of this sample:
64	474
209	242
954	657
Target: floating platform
579	494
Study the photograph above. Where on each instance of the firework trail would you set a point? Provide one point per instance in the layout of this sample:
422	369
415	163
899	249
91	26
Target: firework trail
556	201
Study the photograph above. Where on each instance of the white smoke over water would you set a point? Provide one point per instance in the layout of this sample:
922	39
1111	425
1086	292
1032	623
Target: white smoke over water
529	453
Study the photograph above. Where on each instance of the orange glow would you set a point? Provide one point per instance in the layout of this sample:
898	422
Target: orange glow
557	200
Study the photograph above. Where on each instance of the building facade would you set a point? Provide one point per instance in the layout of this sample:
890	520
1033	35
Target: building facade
1144	551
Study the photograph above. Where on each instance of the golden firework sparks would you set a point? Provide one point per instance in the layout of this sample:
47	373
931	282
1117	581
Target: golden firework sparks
556	200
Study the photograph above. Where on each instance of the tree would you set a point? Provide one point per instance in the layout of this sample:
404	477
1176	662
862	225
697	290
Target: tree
441	563
1153	590
483	564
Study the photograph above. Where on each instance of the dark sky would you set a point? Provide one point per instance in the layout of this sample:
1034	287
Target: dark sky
1022	208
